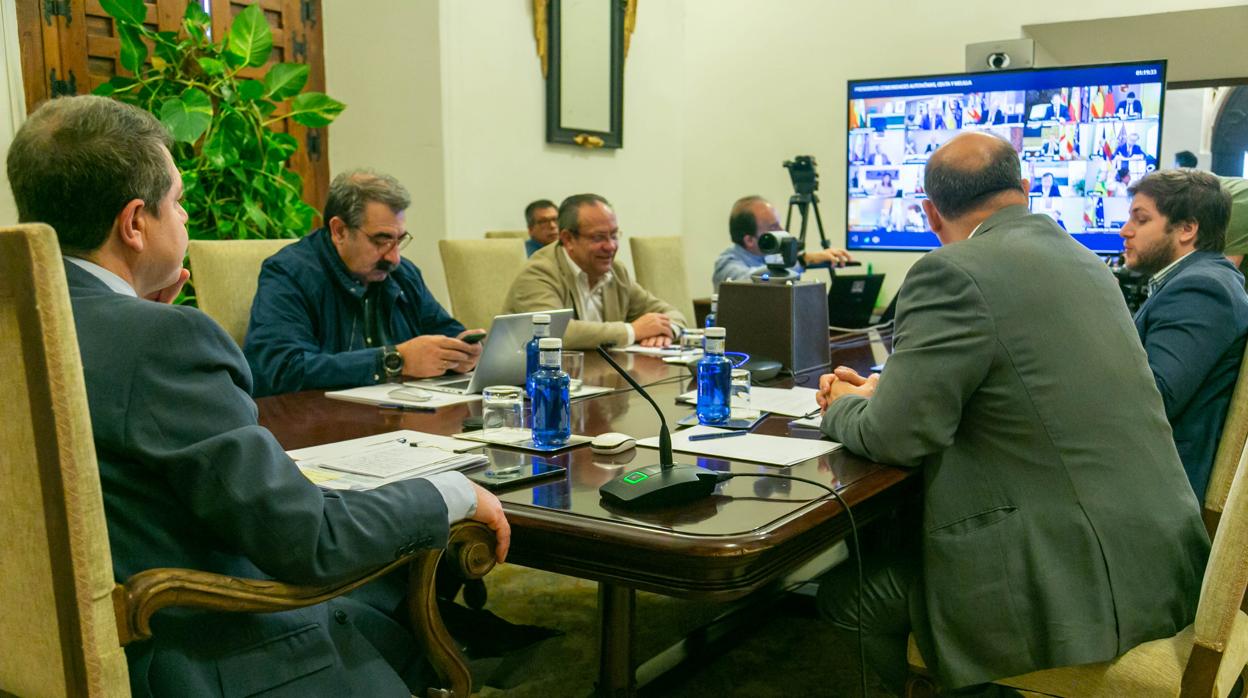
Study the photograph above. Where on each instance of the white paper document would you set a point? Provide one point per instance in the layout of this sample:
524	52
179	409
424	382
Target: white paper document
393	394
814	422
791	402
672	351
369	462
759	448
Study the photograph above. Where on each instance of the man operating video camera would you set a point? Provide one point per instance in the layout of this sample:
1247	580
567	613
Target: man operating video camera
751	217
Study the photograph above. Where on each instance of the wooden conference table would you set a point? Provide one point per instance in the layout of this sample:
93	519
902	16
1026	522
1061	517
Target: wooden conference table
748	535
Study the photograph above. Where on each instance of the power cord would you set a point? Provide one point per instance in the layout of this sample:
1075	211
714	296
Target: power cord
853	530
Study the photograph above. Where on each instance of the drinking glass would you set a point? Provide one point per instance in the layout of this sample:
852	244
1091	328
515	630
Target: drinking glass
691	341
742	405
502	412
574	365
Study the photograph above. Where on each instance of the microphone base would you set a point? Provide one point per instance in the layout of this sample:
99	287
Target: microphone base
658	485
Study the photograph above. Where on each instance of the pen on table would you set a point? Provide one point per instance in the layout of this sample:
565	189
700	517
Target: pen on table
407	408
717	435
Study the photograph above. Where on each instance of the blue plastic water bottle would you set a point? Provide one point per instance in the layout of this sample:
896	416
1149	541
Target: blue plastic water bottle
541	328
714	380
710	317
552	410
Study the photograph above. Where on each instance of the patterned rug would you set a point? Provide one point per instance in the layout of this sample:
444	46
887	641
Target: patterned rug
788	652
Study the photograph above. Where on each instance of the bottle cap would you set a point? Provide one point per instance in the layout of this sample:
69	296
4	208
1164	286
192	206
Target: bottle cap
549	343
541	319
715	333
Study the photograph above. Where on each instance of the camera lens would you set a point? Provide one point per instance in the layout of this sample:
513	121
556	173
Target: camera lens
997	61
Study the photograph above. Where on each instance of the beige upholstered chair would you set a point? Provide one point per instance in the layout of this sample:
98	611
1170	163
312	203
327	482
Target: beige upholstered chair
1204	660
506	234
63	618
660	266
1226	461
224	274
478	274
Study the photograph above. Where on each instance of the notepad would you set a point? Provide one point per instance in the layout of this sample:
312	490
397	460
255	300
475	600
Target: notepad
759	448
391	394
369	462
791	402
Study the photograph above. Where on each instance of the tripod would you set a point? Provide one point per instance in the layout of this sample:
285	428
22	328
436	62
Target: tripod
804	201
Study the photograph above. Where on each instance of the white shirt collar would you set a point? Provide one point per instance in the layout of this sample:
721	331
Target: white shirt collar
1158	278
115	283
582	278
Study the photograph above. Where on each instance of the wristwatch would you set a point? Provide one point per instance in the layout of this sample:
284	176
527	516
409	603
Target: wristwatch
391	362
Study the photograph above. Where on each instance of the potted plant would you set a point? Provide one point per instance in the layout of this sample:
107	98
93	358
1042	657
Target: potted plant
233	164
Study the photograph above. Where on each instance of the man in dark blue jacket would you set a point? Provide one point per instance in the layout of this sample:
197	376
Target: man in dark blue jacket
189	478
341	308
1195	320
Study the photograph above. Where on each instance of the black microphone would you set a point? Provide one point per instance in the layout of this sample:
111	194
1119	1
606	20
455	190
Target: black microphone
663	484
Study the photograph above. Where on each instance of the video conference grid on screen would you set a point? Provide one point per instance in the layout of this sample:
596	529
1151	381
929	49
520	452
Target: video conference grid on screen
1084	135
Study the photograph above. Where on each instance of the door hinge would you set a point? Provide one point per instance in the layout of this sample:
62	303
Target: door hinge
57	8
299	50
307	12
314	144
62	88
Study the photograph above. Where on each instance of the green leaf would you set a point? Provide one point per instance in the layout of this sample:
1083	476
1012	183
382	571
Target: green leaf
188	116
251	90
250	38
130	11
196	20
133	50
211	66
315	109
285	80
281	145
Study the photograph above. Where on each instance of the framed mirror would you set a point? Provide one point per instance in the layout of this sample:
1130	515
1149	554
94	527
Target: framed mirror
587	43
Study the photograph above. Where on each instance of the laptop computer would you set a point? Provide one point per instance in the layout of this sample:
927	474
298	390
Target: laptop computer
851	299
502	355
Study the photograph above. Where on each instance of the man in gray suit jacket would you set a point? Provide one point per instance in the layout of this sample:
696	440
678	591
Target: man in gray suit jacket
1056	527
189	478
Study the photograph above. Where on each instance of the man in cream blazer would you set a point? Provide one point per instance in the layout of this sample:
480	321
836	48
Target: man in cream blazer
581	273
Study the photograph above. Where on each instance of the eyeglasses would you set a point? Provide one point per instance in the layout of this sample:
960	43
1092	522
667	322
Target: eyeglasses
384	243
614	238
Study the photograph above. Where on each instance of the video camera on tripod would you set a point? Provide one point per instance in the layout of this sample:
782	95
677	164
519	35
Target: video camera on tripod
802	171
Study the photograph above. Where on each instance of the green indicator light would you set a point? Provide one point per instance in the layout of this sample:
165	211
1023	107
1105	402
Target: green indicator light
634	478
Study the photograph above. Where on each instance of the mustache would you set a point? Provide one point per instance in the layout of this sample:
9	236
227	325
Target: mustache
386	265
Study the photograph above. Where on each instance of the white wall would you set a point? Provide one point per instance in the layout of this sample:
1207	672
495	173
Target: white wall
1183	125
494	112
383	59
717	94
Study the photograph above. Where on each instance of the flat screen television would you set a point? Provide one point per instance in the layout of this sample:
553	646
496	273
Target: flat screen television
1083	134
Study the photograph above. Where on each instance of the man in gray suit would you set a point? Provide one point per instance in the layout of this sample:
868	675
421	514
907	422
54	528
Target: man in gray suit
189	478
1057	527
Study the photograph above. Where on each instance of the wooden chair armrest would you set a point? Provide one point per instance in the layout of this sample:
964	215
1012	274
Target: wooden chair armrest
471	549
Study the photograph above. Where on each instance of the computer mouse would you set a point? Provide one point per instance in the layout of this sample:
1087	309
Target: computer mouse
611	443
410	393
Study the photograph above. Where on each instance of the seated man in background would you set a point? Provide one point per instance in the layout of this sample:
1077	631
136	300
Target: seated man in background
752	216
542	218
1195	320
342	308
1056	528
189	478
581	273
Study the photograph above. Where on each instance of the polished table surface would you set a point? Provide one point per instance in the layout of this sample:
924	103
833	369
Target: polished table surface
748	534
